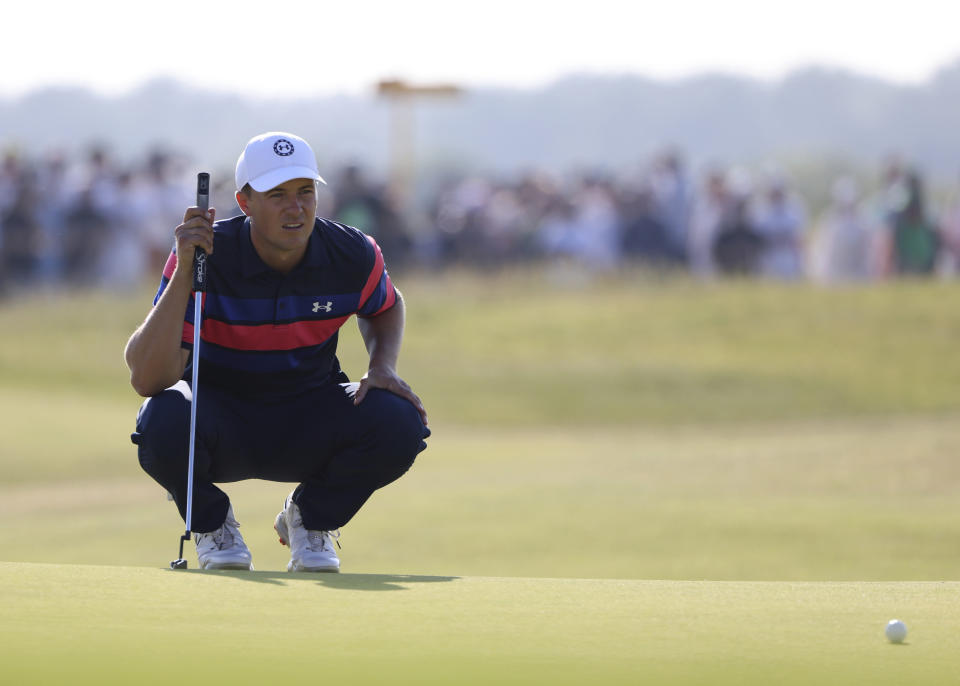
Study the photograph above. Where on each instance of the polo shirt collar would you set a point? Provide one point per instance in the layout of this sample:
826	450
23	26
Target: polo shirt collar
251	264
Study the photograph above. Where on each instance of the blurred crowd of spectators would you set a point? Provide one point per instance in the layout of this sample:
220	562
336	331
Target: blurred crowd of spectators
91	222
726	221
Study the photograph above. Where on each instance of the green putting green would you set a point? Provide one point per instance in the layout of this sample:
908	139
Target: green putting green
125	625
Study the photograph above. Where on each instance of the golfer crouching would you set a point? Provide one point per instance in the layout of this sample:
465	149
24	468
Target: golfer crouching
273	402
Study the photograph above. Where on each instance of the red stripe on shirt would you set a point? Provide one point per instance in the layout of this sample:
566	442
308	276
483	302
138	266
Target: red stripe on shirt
268	336
170	265
391	296
374	278
188	325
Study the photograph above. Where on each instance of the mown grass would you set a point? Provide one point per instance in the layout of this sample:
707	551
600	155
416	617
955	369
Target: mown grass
797	501
530	348
780	457
116	625
635	351
628	427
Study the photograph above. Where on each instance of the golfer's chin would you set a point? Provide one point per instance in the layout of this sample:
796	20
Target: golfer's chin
286	240
293	235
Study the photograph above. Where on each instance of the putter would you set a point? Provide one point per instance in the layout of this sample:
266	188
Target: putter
199	286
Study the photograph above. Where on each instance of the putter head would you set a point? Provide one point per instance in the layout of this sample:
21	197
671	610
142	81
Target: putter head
178	564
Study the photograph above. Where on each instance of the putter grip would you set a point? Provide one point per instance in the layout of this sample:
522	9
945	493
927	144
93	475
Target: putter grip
199	256
199	271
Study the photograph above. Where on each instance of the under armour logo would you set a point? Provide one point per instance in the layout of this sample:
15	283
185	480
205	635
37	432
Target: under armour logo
326	308
283	147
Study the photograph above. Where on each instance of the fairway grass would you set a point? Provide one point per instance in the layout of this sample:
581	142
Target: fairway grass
791	501
124	625
527	349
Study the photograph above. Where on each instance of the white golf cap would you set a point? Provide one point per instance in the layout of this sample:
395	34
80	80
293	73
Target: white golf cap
273	158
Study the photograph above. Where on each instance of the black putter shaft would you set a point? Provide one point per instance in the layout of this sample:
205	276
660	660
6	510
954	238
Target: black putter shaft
199	286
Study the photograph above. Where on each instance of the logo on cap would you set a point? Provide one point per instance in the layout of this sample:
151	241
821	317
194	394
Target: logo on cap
283	147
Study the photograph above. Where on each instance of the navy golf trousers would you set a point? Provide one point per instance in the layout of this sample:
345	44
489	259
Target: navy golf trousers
338	452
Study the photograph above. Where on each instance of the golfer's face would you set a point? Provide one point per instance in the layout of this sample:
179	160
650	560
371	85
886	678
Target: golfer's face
282	217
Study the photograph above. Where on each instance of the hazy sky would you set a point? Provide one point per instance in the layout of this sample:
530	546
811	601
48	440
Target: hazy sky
310	47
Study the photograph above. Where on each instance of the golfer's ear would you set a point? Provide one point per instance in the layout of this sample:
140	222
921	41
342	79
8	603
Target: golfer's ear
242	201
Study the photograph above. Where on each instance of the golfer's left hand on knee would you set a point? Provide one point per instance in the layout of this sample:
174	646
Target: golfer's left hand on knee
387	379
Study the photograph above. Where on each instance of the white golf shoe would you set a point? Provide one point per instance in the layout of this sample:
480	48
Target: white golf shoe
224	548
310	551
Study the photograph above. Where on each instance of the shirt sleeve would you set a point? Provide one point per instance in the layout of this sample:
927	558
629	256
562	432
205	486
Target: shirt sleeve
186	339
379	294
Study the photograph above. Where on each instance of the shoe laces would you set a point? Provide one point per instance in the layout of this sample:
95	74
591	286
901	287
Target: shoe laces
222	538
317	540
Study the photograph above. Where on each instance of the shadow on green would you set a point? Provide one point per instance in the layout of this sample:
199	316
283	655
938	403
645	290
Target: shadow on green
351	582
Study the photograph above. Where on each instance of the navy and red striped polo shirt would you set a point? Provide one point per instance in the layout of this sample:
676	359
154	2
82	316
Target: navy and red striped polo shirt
271	334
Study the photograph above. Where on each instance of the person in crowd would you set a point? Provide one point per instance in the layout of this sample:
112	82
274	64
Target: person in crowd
711	208
914	238
360	204
779	219
738	246
671	188
644	238
949	265
841	249
21	247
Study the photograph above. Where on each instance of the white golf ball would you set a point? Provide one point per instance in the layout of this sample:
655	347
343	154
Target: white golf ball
896	631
